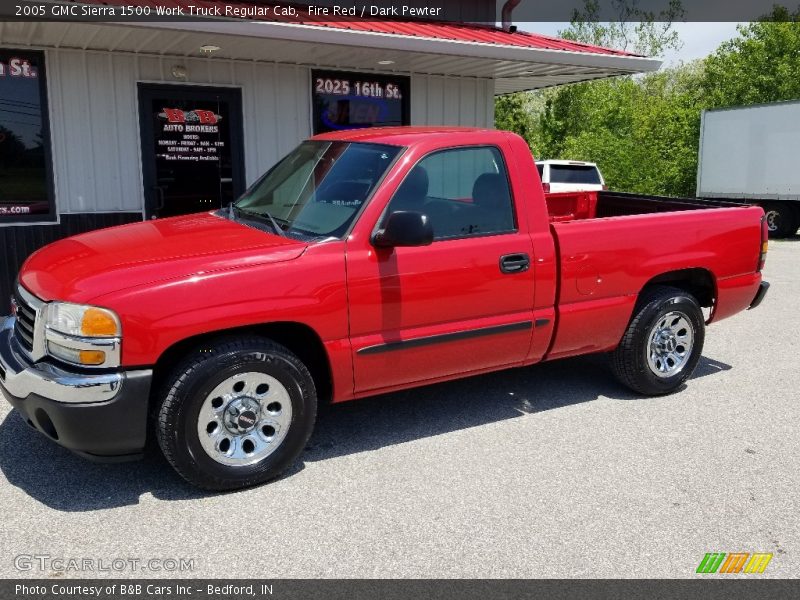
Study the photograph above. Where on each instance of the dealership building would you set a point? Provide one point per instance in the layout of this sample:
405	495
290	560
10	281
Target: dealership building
105	123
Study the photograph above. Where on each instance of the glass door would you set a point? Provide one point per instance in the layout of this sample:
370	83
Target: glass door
192	158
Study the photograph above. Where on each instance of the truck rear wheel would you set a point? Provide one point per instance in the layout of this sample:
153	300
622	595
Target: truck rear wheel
782	219
663	342
236	413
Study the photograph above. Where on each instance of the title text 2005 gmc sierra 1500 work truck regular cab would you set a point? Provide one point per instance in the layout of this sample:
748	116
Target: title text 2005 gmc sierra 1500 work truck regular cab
364	262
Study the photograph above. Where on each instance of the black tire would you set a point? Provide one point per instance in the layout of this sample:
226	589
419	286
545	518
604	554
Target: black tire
782	219
189	386
630	360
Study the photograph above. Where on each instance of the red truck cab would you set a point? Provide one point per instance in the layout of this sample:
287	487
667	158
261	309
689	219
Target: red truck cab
364	262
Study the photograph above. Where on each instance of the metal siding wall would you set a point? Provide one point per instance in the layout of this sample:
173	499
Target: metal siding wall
95	128
437	100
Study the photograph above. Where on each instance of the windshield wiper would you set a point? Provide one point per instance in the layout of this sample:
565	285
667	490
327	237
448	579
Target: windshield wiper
277	227
264	216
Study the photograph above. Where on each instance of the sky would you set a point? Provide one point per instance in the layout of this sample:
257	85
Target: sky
699	39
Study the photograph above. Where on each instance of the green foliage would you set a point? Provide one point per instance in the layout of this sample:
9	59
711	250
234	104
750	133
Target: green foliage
512	112
644	131
762	64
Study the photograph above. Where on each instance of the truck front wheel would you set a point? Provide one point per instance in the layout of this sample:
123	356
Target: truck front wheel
236	413
663	342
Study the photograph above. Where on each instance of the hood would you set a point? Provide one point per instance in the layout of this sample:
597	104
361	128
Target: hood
86	266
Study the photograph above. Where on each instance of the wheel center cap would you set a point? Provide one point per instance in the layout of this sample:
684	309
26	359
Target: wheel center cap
246	420
666	342
241	415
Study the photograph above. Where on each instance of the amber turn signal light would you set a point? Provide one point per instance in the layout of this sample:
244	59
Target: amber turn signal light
98	322
92	357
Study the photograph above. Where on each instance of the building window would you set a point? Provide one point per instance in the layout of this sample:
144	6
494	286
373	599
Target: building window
26	191
358	100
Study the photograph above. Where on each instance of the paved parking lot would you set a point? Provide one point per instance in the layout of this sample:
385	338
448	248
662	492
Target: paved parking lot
549	471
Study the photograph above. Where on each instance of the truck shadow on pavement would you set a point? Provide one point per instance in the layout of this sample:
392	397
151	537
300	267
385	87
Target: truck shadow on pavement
62	481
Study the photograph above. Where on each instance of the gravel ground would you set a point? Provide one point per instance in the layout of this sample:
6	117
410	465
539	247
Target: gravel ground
549	471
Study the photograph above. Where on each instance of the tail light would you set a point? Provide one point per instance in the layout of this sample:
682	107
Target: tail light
762	256
546	187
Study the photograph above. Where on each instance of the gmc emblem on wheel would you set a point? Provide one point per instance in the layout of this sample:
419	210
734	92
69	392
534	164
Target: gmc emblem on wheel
247	419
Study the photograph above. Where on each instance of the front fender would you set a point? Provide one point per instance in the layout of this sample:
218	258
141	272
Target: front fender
310	290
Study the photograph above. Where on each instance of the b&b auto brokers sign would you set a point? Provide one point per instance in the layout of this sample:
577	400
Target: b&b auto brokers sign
192	135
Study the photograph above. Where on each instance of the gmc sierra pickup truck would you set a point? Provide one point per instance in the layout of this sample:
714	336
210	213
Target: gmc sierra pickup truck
363	262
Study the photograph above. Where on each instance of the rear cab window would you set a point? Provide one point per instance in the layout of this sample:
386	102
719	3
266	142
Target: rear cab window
580	174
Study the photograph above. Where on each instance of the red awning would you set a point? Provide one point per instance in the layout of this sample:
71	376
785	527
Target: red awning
457	32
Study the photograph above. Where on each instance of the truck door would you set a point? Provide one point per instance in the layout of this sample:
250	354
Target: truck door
462	304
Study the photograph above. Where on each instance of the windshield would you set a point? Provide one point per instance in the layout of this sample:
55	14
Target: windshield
574	174
319	188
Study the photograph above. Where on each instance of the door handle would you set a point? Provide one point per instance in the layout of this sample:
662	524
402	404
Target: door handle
159	192
515	263
160	197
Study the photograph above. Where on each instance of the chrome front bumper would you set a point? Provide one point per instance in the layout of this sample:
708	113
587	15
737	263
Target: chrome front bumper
21	378
102	416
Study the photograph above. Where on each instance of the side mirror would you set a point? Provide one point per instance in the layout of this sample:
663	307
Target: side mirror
404	228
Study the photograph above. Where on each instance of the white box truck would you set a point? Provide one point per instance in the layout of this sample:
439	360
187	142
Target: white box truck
752	154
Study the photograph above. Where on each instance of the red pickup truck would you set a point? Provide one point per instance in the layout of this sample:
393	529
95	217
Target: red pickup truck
364	262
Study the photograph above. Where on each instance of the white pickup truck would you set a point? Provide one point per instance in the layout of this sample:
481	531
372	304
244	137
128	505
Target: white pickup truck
570	176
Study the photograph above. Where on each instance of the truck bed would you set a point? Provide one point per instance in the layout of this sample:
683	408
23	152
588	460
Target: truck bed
577	206
610	245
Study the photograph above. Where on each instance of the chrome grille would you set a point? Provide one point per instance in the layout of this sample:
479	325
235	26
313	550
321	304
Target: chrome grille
26	321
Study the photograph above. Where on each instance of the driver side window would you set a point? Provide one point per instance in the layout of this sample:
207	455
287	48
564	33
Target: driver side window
463	191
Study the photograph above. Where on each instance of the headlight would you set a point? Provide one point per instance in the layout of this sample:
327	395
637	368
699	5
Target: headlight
83	321
83	335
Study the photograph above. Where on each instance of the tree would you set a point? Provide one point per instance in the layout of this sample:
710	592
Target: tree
11	147
633	30
512	113
760	65
642	131
575	109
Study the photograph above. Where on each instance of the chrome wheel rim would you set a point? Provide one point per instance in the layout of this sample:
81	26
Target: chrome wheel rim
670	344
244	419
